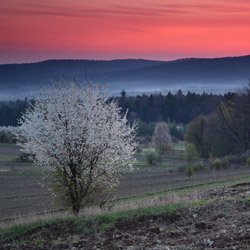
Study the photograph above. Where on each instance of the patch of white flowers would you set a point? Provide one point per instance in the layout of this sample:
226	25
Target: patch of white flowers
8	129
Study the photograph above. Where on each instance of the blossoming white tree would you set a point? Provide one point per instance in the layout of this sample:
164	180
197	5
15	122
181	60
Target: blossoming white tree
78	135
161	138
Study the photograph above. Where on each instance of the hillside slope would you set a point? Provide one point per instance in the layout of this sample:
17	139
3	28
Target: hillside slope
222	222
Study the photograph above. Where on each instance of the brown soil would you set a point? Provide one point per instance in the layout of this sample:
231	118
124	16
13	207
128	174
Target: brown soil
222	223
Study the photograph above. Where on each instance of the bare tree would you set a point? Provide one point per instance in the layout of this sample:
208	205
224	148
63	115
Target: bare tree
233	120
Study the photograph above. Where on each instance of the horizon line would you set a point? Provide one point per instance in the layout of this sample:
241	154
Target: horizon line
123	59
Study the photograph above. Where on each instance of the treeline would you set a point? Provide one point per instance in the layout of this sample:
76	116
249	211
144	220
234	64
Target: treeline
10	111
175	109
148	109
226	131
172	107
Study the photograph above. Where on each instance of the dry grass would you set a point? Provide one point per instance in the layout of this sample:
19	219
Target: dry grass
194	194
169	198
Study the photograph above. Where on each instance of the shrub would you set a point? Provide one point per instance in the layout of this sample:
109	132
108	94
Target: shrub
248	162
189	171
240	159
225	164
151	156
6	134
235	158
191	152
198	166
195	134
177	130
216	164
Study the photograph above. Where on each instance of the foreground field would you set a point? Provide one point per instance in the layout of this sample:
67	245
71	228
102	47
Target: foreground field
21	194
220	220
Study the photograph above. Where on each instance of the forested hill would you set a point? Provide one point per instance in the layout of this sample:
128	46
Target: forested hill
217	75
46	71
228	70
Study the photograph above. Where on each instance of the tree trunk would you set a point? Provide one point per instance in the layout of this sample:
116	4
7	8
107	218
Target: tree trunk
75	210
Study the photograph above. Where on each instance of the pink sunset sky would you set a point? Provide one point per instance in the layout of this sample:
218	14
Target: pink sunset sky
110	29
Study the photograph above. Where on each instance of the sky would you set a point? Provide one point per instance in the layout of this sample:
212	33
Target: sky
32	30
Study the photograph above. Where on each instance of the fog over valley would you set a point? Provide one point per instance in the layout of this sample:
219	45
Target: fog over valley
136	76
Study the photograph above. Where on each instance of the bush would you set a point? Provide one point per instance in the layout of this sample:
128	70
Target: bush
189	171
151	156
235	158
215	164
6	135
191	152
218	164
240	159
248	162
225	164
198	166
177	130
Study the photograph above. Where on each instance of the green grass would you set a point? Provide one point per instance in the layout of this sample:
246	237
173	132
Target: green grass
173	156
7	144
103	221
8	158
170	156
179	145
143	165
14	230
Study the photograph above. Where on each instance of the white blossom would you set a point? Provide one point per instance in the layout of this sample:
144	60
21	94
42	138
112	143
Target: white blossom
77	133
161	139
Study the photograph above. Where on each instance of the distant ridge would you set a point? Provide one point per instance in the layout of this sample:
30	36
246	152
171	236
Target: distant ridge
131	74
